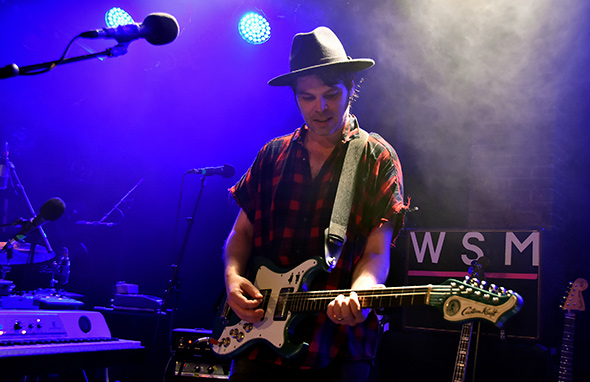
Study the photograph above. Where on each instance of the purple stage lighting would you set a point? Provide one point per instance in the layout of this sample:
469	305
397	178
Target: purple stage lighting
117	16
254	28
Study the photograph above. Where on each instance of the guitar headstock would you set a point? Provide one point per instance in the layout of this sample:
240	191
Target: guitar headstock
473	299
574	300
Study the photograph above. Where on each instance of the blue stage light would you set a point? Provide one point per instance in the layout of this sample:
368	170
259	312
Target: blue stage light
254	28
117	16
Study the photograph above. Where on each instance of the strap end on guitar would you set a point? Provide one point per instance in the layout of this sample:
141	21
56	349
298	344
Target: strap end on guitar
333	244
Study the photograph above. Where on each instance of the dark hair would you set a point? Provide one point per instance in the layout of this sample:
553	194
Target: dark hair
332	77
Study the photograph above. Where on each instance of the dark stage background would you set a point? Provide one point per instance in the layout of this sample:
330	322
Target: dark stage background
485	102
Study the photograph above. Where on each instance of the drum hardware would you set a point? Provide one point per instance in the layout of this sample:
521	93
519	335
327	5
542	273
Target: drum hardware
60	269
102	220
14	180
24	253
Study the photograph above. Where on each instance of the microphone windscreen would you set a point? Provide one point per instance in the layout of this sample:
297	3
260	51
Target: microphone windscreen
228	171
52	209
162	28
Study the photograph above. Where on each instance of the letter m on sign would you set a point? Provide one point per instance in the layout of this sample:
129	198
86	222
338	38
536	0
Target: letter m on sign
533	240
420	251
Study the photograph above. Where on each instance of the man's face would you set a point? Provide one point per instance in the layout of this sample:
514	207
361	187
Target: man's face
323	108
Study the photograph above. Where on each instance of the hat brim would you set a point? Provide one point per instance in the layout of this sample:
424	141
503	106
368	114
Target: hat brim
355	65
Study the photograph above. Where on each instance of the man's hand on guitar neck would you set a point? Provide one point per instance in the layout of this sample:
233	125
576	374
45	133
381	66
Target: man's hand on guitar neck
346	310
244	299
370	272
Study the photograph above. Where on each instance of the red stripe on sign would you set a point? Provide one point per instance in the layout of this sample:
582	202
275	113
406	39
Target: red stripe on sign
492	275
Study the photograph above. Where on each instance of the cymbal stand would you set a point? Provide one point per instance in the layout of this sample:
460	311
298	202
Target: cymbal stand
19	186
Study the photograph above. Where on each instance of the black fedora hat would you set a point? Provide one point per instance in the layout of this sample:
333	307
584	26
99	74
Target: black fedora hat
317	49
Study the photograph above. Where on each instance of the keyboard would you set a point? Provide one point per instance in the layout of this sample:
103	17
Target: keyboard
39	332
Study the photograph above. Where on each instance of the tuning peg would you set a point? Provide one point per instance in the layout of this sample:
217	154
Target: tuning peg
493	288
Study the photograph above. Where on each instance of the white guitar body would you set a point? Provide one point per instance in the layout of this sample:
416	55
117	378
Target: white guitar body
273	327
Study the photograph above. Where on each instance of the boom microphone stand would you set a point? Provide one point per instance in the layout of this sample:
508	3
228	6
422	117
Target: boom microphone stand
13	70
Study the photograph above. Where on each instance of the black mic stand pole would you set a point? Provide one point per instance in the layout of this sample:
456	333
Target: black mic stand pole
173	287
13	70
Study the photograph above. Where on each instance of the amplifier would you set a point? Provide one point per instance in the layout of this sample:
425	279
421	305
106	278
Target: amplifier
193	358
191	341
185	370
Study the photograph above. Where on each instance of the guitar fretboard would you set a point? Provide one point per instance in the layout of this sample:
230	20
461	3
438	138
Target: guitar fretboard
316	301
462	352
567	348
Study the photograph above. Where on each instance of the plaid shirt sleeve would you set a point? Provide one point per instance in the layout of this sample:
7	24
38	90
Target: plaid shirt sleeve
251	190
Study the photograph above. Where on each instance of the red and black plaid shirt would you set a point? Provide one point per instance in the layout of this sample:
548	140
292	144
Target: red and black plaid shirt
290	211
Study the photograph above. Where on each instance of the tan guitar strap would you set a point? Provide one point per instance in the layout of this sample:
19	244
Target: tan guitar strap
335	234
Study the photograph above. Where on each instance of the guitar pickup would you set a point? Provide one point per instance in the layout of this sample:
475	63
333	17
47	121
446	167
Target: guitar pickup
265	299
281	310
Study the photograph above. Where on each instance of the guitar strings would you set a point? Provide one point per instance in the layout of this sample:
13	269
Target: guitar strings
315	298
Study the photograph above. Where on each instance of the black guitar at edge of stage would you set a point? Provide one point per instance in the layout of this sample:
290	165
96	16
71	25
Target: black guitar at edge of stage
476	277
572	302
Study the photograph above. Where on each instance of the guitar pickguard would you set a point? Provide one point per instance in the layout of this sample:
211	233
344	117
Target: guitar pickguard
274	325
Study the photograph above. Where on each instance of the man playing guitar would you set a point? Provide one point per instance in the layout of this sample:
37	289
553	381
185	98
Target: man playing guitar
286	199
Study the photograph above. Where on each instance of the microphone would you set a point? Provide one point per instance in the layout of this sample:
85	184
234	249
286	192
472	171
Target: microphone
51	210
157	29
225	171
4	168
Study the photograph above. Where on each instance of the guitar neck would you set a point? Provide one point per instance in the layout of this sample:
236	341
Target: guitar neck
316	301
567	348
463	353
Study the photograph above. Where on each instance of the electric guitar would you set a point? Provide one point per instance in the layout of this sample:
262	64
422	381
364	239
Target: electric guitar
573	302
475	275
285	299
